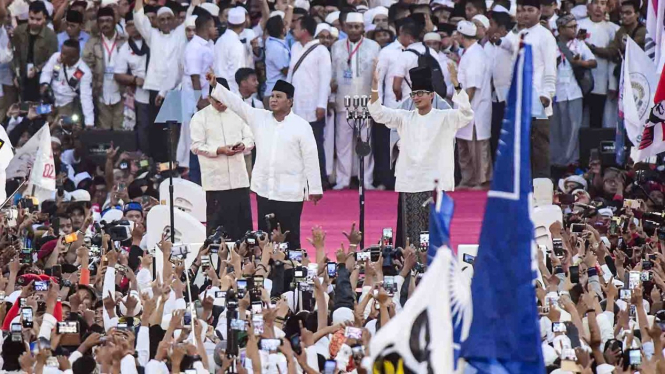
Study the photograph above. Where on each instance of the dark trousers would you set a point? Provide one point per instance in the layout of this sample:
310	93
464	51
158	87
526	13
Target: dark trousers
317	128
230	209
287	214
194	169
596	105
383	174
159	149
498	111
143	124
540	148
30	89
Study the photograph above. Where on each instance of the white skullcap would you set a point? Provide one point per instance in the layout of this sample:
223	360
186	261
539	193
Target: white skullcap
321	27
362	8
19	9
467	28
137	309
191	21
370	14
483	20
164	10
341	315
277	13
79	195
55	139
334	32
606	212
573	178
49	8
236	16
354	17
604	369
500	9
211	8
332	17
108	2
444	3
303	4
432	36
248	34
78	178
112	214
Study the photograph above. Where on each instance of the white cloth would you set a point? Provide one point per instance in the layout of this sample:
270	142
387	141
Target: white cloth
474	72
211	129
388	65
501	70
311	80
110	88
63	92
287	162
353	76
198	59
600	34
164	69
6	52
129	61
427	151
230	55
566	85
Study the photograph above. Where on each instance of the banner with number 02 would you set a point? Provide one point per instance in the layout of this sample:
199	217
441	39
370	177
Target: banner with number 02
43	169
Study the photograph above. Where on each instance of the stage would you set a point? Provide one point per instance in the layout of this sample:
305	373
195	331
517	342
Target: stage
339	209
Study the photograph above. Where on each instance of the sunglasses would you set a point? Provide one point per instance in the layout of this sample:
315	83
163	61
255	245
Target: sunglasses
418	93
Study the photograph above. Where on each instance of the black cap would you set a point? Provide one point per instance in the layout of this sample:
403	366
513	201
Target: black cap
284	86
533	3
221	81
150	9
129	17
74	16
447	28
106	12
421	79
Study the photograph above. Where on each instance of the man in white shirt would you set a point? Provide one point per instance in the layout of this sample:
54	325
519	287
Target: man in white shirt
130	71
70	78
310	71
248	86
219	138
501	66
598	33
100	54
287	167
568	108
167	44
388	66
427	151
473	144
230	52
353	64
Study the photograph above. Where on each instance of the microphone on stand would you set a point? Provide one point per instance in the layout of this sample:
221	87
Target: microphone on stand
347	101
356	101
364	100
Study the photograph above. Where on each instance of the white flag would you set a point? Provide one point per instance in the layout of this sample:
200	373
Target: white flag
6	152
640	81
420	336
37	155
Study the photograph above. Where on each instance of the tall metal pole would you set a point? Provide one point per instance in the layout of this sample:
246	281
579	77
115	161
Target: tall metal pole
169	125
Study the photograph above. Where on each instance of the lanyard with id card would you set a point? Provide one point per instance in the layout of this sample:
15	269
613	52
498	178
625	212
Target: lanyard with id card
348	72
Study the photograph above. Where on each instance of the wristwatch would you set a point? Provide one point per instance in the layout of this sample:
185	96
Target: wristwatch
458	87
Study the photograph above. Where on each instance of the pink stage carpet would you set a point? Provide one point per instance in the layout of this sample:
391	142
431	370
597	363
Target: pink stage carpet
339	209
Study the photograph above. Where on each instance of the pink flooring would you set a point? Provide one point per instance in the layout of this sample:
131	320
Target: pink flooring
339	209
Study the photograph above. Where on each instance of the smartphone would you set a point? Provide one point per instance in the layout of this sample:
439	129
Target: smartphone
614	226
634	357
468	258
557	247
389	284
68	327
257	321
26	314
24	107
71	238
574	274
634	279
558	327
330	367
164	166
270	345
56	271
424	241
647	264
646	276
144	164
257	307
362	256
332	269
581	34
299	272
577	227
25	257
122	326
353	332
205	262
187	319
295	255
16	328
43	109
41	285
387	236
625	294
295	344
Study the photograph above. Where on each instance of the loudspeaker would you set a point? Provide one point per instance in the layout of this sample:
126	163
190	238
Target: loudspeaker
98	141
601	139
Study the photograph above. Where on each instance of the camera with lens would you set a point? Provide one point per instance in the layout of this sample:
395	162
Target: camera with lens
390	254
119	230
215	239
251	238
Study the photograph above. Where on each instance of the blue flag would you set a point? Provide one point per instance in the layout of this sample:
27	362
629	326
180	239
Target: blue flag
440	215
505	335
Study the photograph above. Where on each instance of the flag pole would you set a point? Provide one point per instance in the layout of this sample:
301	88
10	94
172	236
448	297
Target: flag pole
14	193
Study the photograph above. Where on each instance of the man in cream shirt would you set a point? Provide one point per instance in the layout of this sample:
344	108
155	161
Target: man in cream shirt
219	138
427	151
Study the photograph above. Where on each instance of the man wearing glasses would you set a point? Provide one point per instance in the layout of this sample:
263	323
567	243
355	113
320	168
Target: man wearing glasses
427	147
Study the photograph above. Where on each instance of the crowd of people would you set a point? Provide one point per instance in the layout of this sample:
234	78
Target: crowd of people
278	82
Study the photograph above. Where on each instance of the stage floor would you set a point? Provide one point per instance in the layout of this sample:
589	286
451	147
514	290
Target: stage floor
339	209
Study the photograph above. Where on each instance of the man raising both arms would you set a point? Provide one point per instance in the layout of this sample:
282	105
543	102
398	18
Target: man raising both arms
286	171
427	150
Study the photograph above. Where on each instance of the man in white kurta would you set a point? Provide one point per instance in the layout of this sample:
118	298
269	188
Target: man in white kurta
219	138
353	64
427	151
474	139
230	52
286	171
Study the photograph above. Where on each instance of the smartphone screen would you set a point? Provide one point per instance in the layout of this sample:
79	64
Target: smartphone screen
26	314
332	269
388	236
329	367
635	357
574	274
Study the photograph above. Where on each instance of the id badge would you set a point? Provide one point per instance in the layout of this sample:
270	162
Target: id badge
108	72
348	76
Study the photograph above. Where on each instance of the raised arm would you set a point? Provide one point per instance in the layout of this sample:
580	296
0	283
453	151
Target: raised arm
463	114
142	22
57	17
233	101
390	117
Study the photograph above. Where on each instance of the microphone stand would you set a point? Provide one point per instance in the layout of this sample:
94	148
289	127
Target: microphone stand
357	116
